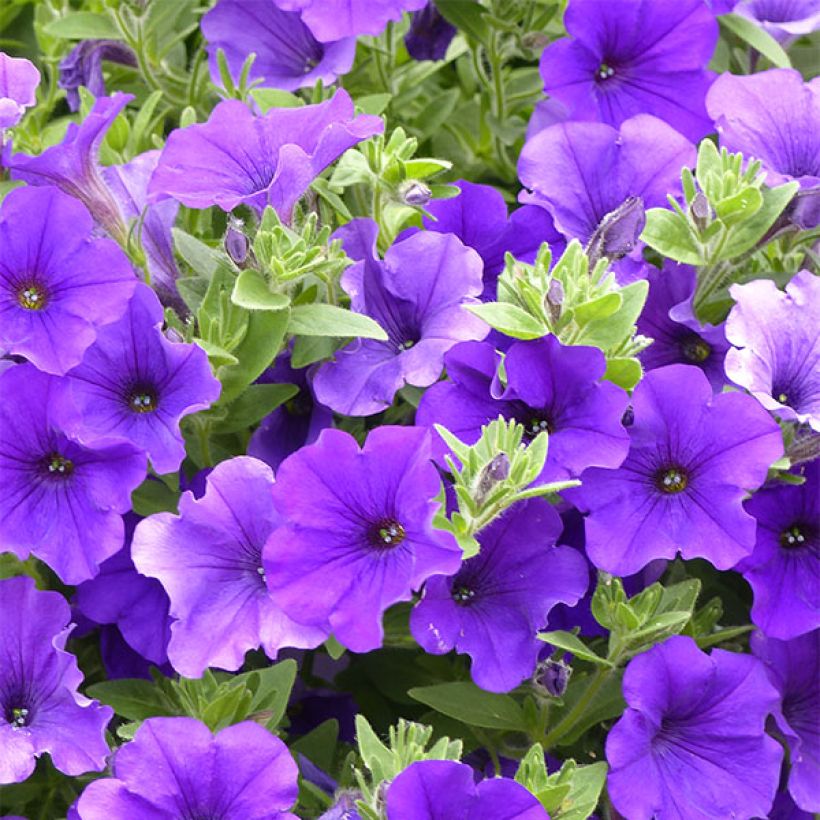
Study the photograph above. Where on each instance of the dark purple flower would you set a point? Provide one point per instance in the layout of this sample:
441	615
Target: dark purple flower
237	158
784	569
358	532
418	295
61	501
446	790
776	353
678	337
331	20
288	56
58	284
794	669
785	20
121	661
493	607
209	560
82	66
40	708
784	808
429	34
135	384
691	744
550	387
175	767
19	79
771	116
693	458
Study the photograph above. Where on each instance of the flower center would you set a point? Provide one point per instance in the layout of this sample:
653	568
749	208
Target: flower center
462	594
387	534
31	297
605	72
695	349
18	716
671	480
406	344
796	536
57	466
142	400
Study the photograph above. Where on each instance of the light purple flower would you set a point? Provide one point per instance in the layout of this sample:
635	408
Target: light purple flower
776	353
417	294
40	708
58	284
82	66
175	767
19	79
693	458
628	57
691	744
785	20
493	607
357	533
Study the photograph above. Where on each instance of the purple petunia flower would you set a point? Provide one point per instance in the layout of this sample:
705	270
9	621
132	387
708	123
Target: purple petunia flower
691	744
331	20
771	116
493	607
429	34
82	66
678	336
358	532
417	294
19	79
237	158
175	767
58	285
61	501
135	384
784	569
550	387
626	57
446	790
785	20
209	560
40	708
693	457
794	669
776	353
581	172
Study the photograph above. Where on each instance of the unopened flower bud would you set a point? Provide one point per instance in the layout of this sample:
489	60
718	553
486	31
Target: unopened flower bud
415	193
553	676
617	233
236	242
493	473
554	299
700	210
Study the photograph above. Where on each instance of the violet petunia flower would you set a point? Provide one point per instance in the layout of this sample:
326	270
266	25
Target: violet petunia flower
82	66
794	669
446	790
418	295
175	767
785	20
136	384
678	337
784	569
288	56
209	560
629	57
429	34
693	458
493	607
58	284
776	353
40	708
331	20
19	79
771	116
236	158
550	387
357	535
61	500
691	744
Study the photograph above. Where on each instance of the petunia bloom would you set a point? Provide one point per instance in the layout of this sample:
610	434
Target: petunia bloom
209	560
175	767
357	533
691	744
58	284
794	669
776	353
692	460
493	607
136	384
82	66
288	56
418	295
61	500
19	79
550	387
626	57
785	20
40	708
237	158
429	34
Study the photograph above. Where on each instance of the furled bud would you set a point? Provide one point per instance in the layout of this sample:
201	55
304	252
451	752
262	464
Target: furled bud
415	193
553	676
617	233
236	242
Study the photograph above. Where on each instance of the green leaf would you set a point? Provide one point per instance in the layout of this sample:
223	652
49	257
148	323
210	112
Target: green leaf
228	707
319	744
609	332
509	319
624	371
251	291
740	207
267	98
757	38
423	168
373	103
271	689
329	320
657	629
310	349
374	753
585	791
83	25
464	701
572	643
133	699
154	496
468	16
709	163
254	404
599	308
216	354
746	235
668	233
607	703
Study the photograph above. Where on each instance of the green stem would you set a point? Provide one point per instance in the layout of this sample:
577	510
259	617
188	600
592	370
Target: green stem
601	676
